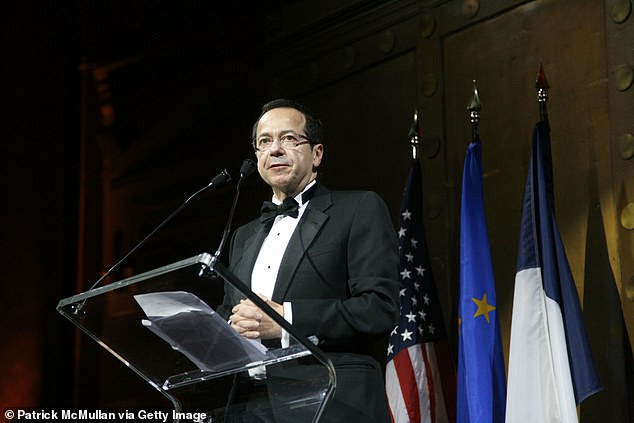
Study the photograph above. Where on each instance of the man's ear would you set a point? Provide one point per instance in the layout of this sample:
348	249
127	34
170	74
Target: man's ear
318	154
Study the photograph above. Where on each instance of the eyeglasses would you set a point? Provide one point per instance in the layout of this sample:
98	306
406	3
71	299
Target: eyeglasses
288	140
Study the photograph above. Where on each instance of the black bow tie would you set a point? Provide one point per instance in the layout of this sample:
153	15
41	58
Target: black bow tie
271	210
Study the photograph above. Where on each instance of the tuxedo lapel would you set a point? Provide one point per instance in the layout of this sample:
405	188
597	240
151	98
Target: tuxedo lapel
307	230
244	267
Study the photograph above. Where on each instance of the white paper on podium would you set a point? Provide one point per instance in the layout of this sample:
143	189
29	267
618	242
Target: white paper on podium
193	328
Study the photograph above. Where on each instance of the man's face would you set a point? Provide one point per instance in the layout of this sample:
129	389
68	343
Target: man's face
286	170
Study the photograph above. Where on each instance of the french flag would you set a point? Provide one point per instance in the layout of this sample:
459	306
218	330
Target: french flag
551	369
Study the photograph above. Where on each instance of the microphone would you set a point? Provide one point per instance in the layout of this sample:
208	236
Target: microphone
221	178
247	168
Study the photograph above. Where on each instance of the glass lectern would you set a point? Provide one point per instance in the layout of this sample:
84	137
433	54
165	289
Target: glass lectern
162	325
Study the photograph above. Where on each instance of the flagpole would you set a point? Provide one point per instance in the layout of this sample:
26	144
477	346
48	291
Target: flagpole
474	108
542	86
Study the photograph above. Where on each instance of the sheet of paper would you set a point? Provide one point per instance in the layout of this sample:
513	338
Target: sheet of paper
193	328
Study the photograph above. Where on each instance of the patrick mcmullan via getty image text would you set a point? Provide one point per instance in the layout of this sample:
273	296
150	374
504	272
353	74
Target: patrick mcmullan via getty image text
103	416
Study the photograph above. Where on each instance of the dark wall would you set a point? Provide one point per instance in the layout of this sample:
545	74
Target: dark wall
51	107
39	164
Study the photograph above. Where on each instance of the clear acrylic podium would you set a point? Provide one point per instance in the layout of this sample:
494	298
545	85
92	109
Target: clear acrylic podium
162	325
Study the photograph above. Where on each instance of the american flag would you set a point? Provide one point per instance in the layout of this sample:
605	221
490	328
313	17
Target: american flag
420	376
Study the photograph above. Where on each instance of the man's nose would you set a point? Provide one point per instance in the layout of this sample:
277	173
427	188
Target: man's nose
276	148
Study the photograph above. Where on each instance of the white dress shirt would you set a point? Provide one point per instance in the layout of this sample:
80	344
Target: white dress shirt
267	265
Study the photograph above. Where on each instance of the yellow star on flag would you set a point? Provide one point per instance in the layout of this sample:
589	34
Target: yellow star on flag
483	307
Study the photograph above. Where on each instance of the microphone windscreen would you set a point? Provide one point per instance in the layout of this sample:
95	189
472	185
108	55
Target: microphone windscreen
248	166
220	178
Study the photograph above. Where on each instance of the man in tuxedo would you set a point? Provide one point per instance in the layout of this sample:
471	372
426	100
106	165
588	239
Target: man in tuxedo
327	261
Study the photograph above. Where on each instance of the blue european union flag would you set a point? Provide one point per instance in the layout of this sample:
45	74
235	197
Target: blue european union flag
481	375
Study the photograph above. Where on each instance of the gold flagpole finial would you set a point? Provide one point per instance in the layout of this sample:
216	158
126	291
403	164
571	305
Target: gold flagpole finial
474	108
415	134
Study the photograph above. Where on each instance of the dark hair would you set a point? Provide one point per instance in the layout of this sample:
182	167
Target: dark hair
314	130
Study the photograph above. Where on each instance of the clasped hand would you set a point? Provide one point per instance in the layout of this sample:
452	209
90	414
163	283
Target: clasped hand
251	322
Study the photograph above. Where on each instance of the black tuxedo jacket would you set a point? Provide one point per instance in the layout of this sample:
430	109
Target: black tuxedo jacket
340	274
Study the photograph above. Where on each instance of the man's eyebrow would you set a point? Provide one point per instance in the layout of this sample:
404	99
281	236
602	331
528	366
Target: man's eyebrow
282	132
